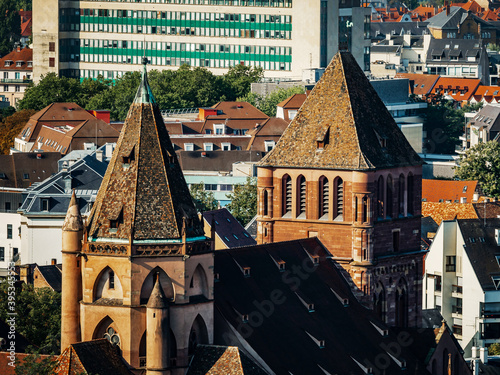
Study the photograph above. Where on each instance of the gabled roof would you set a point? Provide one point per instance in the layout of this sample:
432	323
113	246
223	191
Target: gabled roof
316	326
464	87
420	84
345	115
238	110
24	55
144	189
455	51
91	357
448	211
222	360
228	229
447	21
293	102
52	274
22	169
488	117
488	93
448	190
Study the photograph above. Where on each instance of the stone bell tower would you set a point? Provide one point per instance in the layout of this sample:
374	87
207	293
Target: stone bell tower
143	242
343	172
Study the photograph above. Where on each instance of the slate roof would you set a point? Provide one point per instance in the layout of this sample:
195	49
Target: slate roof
86	177
318	305
229	230
91	357
448	190
22	169
447	21
381	29
391	91
144	188
455	51
345	113
52	275
222	360
420	84
489	118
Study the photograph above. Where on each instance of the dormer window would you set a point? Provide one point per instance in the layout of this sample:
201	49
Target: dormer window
323	138
30	64
8	62
219	129
116	220
19	63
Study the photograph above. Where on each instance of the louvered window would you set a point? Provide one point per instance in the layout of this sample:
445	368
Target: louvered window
340	197
302	195
324	195
287	194
388	206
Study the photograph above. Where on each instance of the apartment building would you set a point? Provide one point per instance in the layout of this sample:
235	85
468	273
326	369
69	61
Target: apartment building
91	38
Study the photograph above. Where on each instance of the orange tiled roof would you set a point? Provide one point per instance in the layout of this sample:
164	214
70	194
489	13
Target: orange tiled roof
293	102
467	85
422	83
448	211
488	93
446	190
26	28
24	55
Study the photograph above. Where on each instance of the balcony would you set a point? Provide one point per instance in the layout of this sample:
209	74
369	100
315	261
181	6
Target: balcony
20	80
456	311
456	291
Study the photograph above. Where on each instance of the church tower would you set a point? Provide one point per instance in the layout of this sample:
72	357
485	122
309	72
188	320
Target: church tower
146	264
344	172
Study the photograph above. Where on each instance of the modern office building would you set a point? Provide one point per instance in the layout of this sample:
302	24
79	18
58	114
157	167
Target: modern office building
285	37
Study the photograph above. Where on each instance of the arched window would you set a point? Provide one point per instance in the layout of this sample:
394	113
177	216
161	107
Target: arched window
107	329
264	198
301	201
107	285
401	195
197	335
198	286
379	305
287	195
149	282
409	192
389	202
380	198
402	304
324	197
339	203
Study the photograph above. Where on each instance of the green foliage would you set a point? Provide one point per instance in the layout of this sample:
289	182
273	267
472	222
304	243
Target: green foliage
239	79
10	127
268	103
243	204
33	364
38	316
444	124
203	200
482	163
10	26
493	47
494	349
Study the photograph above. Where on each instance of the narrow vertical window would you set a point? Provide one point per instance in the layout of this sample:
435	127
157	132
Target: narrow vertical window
395	240
287	195
324	194
340	198
265	203
409	193
356	209
401	195
380	198
389	203
111	284
365	209
301	184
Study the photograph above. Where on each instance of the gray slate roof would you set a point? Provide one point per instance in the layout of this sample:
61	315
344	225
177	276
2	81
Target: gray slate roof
455	51
392	91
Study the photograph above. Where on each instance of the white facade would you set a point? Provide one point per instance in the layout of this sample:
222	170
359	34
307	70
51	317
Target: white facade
10	241
452	286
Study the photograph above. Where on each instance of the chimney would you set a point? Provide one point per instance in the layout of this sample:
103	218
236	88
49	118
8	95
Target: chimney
447	5
99	155
53	261
18	48
483	355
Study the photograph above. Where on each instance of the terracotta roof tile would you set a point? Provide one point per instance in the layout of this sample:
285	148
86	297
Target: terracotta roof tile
468	85
420	84
447	190
448	211
293	102
343	124
24	55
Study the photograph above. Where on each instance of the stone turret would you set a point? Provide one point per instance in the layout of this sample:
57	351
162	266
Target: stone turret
158	332
72	232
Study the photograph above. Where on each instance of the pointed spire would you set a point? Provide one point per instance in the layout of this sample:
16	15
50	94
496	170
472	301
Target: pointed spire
157	300
144	94
73	221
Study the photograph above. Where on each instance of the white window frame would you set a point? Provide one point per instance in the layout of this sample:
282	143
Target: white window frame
225	145
208	146
219	129
269	145
188	146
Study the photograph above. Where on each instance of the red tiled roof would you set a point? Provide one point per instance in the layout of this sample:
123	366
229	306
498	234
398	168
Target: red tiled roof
24	55
448	211
293	102
469	84
238	110
422	83
487	92
26	28
447	190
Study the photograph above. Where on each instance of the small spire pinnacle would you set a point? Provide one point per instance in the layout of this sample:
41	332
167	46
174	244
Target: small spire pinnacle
73	221
144	94
157	300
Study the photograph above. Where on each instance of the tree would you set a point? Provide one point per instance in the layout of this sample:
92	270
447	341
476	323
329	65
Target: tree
268	103
10	26
494	349
33	364
243	204
482	163
10	127
38	316
239	79
202	199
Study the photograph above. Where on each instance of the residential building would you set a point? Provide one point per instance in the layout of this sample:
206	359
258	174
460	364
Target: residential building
63	127
459	58
450	191
281	36
420	84
459	89
225	230
16	73
26	26
49	276
343	172
461	277
44	207
483	127
289	107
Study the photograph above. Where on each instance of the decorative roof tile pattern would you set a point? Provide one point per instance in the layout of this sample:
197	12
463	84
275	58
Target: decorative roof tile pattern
343	124
448	211
144	194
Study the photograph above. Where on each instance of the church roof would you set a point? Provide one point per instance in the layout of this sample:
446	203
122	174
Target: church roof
73	221
343	124
143	195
